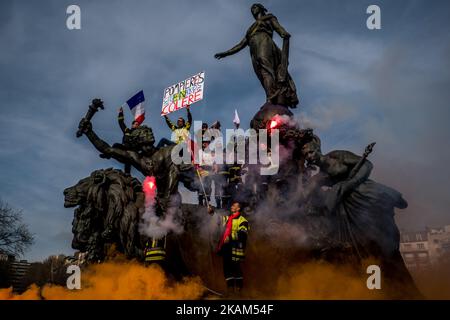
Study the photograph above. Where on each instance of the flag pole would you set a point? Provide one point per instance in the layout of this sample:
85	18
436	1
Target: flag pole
203	187
193	145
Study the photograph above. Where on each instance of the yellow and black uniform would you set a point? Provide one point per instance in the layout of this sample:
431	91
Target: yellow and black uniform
181	134
155	250
235	174
233	249
233	185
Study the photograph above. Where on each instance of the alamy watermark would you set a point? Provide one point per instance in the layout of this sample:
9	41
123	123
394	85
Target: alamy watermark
374	280
74	280
73	21
241	147
374	20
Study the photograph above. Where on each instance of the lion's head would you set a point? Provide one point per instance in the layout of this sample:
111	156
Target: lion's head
108	204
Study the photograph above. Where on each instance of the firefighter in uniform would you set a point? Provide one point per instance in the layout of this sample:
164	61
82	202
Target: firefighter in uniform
155	251
232	245
233	185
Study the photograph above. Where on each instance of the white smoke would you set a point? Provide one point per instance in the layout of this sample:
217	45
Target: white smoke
155	226
325	116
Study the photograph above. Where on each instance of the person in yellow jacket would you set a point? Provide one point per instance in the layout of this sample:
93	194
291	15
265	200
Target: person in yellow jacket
181	129
232	246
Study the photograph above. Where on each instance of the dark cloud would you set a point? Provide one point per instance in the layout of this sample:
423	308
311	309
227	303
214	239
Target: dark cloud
356	86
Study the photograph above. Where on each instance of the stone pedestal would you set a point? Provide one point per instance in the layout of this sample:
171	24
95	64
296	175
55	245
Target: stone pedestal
266	113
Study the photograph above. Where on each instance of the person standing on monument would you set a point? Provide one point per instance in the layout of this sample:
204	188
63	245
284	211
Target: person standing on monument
232	244
180	130
127	132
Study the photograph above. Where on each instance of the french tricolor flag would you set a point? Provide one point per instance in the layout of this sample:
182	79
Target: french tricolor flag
136	105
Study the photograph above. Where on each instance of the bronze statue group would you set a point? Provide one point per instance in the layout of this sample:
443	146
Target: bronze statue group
348	217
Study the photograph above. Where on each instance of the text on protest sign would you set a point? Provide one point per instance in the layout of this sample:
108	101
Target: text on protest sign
183	93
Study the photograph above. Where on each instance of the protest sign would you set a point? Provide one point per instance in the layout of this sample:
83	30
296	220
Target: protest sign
183	93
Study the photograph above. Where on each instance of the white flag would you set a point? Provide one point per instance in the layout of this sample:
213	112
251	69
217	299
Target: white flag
236	117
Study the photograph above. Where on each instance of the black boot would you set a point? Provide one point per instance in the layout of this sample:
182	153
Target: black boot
230	288
239	284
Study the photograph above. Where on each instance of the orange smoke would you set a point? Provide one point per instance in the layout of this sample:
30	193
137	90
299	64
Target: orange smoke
434	282
31	294
323	281
279	270
117	280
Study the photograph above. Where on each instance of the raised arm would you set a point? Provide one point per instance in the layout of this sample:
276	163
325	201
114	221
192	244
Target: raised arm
169	123
241	45
104	148
121	120
351	160
189	117
362	174
344	187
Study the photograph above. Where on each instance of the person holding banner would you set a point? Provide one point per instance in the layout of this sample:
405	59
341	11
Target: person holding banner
181	129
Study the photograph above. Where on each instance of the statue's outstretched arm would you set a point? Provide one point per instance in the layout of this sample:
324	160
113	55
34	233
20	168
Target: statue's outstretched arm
116	153
351	160
241	45
345	187
362	174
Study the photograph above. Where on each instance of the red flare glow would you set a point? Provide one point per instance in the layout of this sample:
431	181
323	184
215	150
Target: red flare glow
273	124
149	186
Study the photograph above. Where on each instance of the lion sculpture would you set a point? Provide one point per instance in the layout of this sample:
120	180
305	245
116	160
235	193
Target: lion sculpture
109	205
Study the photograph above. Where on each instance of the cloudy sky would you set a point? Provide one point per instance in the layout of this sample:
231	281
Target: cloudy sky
356	86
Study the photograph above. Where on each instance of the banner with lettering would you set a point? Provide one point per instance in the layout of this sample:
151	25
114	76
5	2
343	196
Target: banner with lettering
184	93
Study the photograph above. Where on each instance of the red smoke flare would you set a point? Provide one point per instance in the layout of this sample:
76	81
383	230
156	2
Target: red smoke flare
273	124
149	188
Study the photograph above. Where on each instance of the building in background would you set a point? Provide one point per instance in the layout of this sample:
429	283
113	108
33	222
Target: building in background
423	249
439	243
414	248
